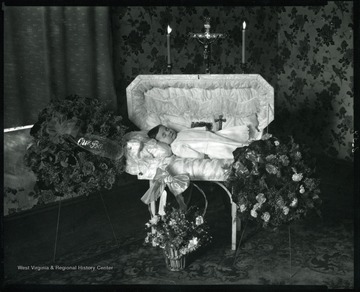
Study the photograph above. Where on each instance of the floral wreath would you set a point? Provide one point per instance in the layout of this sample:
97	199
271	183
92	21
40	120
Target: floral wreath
62	166
272	182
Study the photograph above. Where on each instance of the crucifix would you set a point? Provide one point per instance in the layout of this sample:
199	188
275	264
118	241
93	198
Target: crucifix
220	120
206	39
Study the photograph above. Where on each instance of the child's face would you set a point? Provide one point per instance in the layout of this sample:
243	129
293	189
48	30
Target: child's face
166	135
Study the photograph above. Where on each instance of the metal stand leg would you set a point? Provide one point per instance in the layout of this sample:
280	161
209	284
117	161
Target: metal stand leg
239	247
152	207
233	226
58	223
234	218
108	217
290	253
57	231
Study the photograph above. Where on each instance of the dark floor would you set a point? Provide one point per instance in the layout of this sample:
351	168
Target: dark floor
29	237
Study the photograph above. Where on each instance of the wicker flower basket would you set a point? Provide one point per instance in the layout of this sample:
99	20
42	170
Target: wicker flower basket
175	261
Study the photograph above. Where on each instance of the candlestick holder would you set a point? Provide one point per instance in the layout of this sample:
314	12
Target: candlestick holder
169	68
206	39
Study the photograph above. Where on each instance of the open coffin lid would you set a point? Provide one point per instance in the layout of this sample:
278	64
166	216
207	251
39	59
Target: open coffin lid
180	101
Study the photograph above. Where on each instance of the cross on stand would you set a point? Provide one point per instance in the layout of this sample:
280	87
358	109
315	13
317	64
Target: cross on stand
206	39
220	120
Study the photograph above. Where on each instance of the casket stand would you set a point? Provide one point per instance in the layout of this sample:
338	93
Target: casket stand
179	101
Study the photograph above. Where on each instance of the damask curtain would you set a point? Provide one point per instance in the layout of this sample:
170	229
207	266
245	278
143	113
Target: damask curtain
52	52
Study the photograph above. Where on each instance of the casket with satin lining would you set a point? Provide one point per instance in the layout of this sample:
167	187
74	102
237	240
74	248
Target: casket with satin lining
177	101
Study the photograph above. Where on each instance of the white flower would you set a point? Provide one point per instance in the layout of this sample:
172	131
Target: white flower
253	213
277	143
256	206
286	210
297	177
154	242
236	165
270	157
154	220
284	160
266	216
242	208
271	169
261	198
294	202
147	238
193	243
147	224
199	220
172	222
280	202
240	167
302	189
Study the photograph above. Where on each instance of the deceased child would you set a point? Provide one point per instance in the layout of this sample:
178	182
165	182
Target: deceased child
200	143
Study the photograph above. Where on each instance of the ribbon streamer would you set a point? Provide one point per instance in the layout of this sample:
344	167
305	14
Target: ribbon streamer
162	203
177	184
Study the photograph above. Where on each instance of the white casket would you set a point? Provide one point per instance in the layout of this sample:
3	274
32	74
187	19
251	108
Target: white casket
178	101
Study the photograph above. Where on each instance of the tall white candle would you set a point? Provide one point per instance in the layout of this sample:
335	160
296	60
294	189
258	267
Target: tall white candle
243	42
168	44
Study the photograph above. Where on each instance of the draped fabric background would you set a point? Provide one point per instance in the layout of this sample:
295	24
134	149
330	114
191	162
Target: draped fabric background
49	52
304	52
52	52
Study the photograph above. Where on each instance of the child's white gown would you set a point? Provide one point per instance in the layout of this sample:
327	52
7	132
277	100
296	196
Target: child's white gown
195	142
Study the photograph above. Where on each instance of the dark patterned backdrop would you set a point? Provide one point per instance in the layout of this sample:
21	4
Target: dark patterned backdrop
315	80
306	53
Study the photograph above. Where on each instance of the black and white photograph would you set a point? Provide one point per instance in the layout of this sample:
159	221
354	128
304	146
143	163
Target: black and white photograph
167	146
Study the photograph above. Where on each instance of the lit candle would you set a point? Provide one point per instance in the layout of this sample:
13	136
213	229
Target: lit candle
243	42
168	44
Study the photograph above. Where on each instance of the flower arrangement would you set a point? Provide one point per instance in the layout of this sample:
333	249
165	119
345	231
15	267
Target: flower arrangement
183	231
272	182
62	166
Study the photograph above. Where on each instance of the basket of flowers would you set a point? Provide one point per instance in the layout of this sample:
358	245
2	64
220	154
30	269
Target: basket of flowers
273	183
178	233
